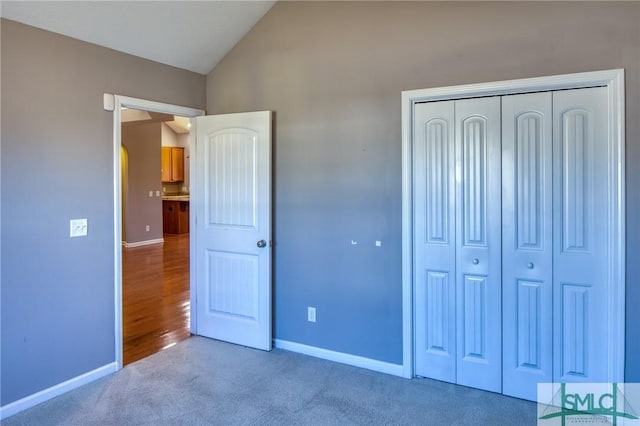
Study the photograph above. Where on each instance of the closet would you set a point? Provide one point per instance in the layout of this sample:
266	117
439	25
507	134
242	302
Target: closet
511	239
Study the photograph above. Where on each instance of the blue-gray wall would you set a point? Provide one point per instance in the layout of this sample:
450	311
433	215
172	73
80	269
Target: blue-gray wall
333	73
57	164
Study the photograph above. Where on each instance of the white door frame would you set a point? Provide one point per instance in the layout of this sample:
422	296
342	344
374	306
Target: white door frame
115	103
613	80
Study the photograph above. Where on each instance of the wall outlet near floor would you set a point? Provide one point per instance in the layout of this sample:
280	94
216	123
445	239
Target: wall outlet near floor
146	228
311	314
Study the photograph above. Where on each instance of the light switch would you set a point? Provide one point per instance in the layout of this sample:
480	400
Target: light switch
150	193
78	228
157	193
378	243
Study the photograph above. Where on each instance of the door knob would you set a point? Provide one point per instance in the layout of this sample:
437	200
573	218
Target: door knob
261	243
475	261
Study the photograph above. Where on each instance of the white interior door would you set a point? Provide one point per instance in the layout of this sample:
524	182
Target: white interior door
556	274
581	288
457	255
527	248
478	244
233	228
435	240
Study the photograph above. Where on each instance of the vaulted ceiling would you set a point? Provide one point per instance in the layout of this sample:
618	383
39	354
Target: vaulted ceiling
193	35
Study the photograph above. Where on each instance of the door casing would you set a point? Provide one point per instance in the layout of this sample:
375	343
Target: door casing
613	80
115	103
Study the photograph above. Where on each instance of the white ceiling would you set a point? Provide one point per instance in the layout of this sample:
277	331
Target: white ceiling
193	35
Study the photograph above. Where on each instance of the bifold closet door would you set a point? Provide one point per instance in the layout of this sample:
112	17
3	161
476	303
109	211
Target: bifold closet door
478	244
434	240
527	242
457	242
555	239
580	235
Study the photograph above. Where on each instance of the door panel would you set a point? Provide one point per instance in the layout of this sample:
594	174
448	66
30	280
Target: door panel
527	249
511	240
581	243
233	271
478	243
434	245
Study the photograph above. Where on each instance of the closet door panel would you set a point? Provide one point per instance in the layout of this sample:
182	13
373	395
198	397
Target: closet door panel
434	240
581	243
478	242
527	249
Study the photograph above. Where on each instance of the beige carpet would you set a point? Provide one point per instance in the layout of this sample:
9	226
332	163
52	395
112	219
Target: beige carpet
206	382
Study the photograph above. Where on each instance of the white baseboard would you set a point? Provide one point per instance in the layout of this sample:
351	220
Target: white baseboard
143	243
354	360
49	393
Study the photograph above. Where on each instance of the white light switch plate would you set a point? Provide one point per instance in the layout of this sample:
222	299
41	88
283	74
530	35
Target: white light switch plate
78	228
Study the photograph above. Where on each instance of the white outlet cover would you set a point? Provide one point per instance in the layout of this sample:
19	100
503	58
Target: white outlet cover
311	314
77	228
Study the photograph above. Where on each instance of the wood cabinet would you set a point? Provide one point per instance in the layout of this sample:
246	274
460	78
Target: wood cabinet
172	164
175	217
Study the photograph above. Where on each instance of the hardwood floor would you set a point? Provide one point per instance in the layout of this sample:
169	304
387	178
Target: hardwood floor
155	301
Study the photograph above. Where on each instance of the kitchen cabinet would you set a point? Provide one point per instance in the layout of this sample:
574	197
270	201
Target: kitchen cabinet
175	217
172	164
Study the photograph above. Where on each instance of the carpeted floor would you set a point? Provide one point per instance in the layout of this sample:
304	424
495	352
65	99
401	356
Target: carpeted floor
206	382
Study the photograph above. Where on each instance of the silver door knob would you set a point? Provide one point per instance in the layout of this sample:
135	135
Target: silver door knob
475	261
261	243
530	265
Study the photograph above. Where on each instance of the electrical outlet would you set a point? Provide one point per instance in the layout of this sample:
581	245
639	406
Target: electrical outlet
146	228
311	314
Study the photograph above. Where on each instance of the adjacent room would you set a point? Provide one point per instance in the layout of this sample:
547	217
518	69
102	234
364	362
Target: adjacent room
310	212
155	232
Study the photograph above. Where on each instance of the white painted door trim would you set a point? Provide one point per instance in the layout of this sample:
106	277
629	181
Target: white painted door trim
115	103
614	81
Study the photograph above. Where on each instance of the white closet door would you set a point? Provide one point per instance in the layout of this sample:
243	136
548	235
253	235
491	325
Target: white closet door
580	217
527	249
434	240
478	243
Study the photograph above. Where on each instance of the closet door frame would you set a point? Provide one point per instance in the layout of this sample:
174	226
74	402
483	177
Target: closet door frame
613	80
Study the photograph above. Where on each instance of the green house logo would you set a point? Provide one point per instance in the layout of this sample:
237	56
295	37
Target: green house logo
588	403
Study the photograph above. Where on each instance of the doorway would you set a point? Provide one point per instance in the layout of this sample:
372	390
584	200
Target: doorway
115	103
155	252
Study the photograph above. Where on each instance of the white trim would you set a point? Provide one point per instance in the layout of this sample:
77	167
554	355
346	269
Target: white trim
614	81
142	243
49	393
617	227
343	358
193	189
143	104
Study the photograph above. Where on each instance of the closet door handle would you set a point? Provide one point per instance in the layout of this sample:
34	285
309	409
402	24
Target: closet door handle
530	265
475	261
